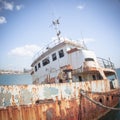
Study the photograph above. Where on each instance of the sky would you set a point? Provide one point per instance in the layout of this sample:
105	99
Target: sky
26	26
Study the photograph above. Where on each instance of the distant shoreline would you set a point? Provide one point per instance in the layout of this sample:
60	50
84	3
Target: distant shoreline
17	72
13	73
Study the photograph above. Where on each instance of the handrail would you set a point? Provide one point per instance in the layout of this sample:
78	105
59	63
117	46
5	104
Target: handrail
47	47
105	63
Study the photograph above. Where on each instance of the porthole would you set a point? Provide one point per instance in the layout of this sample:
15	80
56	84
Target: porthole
107	98
112	97
100	100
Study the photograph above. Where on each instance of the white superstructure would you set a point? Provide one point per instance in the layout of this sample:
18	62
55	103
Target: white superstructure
55	57
65	60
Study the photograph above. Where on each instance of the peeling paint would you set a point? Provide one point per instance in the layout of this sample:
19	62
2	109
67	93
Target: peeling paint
26	96
23	94
54	101
49	91
68	90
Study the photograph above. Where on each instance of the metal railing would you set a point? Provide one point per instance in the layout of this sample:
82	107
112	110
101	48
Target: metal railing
105	63
47	47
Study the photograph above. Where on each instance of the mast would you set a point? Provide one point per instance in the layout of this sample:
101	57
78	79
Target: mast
56	24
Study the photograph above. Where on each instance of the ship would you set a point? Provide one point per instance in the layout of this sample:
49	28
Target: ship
69	83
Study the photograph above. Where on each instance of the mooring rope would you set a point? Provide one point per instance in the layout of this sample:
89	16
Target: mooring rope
97	103
107	94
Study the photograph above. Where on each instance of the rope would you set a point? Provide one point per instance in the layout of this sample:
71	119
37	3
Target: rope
97	103
107	94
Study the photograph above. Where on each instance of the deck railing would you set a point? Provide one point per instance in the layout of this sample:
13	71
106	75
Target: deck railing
105	63
47	47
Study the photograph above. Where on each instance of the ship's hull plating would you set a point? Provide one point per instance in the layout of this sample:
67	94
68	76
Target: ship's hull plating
56	101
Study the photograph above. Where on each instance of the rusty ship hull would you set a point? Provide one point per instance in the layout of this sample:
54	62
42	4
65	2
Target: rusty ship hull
56	101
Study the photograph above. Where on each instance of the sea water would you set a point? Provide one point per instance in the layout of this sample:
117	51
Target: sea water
15	79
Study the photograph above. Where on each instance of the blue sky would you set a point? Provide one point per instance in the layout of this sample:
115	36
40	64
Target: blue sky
25	28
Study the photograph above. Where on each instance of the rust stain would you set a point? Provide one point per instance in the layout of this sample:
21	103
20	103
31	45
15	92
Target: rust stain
60	109
72	50
65	101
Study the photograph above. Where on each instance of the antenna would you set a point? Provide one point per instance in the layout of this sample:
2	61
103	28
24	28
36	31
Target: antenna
56	24
83	42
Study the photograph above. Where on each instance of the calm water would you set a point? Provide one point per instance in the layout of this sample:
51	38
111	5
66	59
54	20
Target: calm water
112	115
26	79
15	79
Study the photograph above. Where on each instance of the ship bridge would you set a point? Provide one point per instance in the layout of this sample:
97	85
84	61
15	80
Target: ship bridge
55	44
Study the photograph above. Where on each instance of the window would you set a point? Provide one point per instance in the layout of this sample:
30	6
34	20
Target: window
80	78
100	100
111	76
94	77
107	98
35	68
46	61
54	57
39	65
89	59
61	53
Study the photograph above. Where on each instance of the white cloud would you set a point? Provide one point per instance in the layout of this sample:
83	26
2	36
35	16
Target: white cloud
8	5
19	7
26	51
2	20
5	5
81	7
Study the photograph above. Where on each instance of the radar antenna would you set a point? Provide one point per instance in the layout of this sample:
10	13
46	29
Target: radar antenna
56	24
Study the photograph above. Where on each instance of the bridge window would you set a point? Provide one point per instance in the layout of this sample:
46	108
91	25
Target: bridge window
89	59
39	65
54	57
46	61
110	75
35	68
61	54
